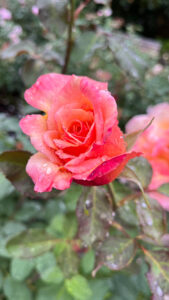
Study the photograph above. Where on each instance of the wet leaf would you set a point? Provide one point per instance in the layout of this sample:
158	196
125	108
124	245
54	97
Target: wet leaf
21	268
94	215
158	276
115	252
142	169
12	164
152	219
30	244
15	290
132	137
53	15
23	47
87	261
48	269
78	287
67	259
130	175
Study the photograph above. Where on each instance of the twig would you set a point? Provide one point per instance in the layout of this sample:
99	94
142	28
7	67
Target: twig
80	8
112	194
69	40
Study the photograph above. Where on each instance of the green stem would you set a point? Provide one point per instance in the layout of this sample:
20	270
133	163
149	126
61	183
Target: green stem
112	194
69	40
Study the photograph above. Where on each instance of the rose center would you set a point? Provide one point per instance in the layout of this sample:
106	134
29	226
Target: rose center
76	127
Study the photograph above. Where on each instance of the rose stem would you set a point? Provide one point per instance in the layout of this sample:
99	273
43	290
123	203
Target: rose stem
69	40
112	194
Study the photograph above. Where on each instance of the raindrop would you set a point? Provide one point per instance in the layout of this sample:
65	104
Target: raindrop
159	291
149	222
88	204
49	170
144	205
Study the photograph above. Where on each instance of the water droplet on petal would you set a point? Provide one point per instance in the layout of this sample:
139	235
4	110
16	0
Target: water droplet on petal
48	171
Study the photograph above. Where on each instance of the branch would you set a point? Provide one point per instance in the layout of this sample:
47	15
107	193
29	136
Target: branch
80	8
69	40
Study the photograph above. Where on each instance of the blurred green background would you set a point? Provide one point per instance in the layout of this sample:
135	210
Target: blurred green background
123	42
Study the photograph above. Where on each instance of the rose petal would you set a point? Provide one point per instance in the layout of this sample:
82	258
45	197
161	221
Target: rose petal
110	169
45	90
137	123
35	126
105	109
47	175
83	170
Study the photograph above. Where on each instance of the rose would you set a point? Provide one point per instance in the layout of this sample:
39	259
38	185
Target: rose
154	144
78	137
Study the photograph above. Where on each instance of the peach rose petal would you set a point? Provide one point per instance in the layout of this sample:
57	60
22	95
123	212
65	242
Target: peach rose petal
47	175
35	126
105	109
44	91
110	169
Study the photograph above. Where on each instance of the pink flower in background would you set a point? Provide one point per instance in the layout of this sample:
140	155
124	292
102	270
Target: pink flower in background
78	137
154	144
14	35
35	10
5	14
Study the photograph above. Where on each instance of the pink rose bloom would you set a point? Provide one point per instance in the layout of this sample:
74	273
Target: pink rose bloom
77	137
5	14
154	144
35	10
14	35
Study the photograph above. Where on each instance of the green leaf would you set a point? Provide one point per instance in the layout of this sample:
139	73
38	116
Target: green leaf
63	226
83	47
7	232
100	288
23	47
129	174
53	15
31	70
6	187
1	280
30	244
88	261
132	137
164	189
71	196
28	211
48	269
67	259
115	252
142	169
21	268
53	292
158	276
78	287
128	56
12	164
94	215
152	219
15	290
